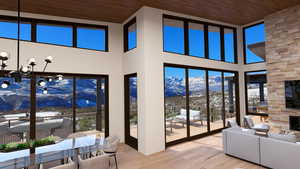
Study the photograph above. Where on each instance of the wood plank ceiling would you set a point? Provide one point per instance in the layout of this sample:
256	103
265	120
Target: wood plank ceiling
231	11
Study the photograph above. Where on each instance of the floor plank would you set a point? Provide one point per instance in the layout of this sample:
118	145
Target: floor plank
205	153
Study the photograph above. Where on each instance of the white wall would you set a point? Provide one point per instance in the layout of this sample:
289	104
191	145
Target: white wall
146	60
73	60
134	62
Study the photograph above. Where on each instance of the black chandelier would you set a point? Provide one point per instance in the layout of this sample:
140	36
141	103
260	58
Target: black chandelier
21	71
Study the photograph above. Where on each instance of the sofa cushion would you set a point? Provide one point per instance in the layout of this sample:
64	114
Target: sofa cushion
242	130
248	131
284	137
232	123
278	154
242	145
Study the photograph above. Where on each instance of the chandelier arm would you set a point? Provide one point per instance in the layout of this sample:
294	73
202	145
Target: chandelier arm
45	66
2	65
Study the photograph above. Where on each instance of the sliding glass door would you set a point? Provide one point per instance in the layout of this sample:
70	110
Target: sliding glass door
14	110
86	104
175	103
46	105
198	102
54	113
215	100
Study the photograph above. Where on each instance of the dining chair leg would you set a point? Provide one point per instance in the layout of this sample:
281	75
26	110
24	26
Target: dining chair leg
115	156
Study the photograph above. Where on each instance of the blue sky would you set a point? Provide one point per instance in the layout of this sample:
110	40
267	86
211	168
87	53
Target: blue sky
132	41
9	30
254	34
174	42
175	72
173	39
86	37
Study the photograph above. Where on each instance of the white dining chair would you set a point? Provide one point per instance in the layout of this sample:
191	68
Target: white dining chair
110	147
15	163
98	162
71	165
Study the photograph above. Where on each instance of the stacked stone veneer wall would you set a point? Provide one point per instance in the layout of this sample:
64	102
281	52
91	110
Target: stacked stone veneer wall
283	61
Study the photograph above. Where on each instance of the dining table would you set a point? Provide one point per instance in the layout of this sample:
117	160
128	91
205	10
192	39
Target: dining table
65	149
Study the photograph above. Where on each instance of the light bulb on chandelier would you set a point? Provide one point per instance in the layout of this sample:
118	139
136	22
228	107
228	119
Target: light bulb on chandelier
45	91
5	84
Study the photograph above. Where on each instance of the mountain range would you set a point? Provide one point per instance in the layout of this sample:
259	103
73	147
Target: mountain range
60	94
17	96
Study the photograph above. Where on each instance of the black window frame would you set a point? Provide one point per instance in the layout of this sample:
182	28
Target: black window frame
54	25
246	94
186	22
34	22
244	43
33	99
209	132
125	33
8	20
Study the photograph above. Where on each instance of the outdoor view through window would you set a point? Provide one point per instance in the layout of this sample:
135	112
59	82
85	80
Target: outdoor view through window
198	87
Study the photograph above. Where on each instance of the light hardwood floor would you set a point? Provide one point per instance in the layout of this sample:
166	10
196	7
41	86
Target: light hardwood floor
205	153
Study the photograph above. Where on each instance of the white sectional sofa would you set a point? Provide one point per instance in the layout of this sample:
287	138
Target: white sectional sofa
268	152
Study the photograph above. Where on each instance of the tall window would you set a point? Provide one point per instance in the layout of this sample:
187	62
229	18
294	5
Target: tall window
62	106
86	101
10	30
131	110
130	35
198	102
254	38
214	43
133	107
256	93
54	113
199	39
14	111
215	100
196	40
175	104
54	34
173	36
229	96
229	43
91	38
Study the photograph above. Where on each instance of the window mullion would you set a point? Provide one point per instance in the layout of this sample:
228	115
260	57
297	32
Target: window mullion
235	46
222	44
74	29
206	41
33	31
186	38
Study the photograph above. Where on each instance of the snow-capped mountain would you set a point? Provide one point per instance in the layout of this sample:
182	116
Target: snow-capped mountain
17	96
60	94
176	86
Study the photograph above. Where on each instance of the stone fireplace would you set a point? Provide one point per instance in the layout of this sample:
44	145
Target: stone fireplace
283	62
